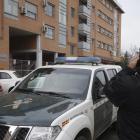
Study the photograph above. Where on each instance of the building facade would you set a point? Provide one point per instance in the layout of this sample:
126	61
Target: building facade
41	31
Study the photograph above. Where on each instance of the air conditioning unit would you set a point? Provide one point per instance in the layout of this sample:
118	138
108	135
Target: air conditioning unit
44	3
44	28
111	53
23	10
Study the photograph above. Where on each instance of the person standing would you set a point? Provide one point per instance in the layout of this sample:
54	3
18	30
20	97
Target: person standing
123	90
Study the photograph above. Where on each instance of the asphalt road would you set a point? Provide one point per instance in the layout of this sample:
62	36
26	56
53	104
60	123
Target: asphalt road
109	134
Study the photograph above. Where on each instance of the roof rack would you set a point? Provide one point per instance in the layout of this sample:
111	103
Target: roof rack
62	60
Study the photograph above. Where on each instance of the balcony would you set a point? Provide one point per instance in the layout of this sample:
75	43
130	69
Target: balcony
83	46
83	29
84	12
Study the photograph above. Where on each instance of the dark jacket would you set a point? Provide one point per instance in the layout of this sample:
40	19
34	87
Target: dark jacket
123	91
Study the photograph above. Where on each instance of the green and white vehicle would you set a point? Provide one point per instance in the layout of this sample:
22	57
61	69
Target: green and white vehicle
59	102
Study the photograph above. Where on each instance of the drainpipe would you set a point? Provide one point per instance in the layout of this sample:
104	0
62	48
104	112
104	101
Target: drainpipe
2	19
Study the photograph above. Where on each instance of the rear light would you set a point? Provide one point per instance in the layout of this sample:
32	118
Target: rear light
1	90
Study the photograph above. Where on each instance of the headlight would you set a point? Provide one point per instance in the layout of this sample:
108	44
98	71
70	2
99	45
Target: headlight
44	133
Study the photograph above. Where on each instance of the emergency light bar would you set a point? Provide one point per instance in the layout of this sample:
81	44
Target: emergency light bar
94	60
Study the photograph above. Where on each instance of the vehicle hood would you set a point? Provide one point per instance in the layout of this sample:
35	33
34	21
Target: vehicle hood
33	110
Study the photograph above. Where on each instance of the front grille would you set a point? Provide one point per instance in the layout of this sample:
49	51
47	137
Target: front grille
22	133
3	132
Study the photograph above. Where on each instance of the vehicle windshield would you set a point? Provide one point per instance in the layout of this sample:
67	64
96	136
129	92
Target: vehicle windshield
69	81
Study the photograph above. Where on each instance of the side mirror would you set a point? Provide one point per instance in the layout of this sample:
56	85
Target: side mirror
101	94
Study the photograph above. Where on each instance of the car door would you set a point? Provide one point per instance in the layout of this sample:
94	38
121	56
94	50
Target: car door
5	80
102	107
111	73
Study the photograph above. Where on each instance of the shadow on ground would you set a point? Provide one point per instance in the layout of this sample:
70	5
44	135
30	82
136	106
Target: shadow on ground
109	134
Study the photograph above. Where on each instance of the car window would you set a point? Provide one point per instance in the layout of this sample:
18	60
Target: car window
16	74
119	69
100	81
115	72
111	73
5	75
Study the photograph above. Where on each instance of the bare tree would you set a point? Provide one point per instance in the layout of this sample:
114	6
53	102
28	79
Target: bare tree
133	51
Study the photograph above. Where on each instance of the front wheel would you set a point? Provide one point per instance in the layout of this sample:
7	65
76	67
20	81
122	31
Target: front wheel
81	138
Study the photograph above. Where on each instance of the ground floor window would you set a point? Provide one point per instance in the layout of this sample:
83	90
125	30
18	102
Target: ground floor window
72	50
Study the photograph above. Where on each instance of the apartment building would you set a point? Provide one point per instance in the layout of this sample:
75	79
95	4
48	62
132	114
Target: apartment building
40	30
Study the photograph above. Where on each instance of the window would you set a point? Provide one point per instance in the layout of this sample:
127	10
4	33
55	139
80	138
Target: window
111	35
103	16
117	40
62	39
16	74
111	8
108	5
31	10
104	2
99	28
119	69
99	44
117	28
72	31
5	75
43	79
50	9
107	47
11	8
93	8
103	45
118	16
72	12
110	48
107	32
107	19
111	73
114	71
62	18
111	21
99	13
93	42
103	30
100	81
92	25
50	33
72	50
117	52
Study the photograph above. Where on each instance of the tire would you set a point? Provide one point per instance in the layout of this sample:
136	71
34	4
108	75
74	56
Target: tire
80	138
114	126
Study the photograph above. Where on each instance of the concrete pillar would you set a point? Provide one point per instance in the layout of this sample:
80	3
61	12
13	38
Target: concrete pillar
55	56
39	52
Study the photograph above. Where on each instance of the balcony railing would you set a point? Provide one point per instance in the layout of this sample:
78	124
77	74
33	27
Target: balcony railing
84	12
83	29
83	46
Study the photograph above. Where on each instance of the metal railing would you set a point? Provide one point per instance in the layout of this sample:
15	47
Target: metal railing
24	67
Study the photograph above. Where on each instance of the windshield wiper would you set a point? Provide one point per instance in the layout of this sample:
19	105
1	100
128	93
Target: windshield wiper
58	94
27	91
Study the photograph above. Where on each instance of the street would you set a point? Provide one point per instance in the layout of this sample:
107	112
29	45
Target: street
109	134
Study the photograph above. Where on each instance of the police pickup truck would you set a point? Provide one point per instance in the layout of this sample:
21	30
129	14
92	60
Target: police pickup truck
59	102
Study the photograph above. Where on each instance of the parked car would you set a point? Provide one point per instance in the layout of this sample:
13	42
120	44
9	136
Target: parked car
59	102
8	80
